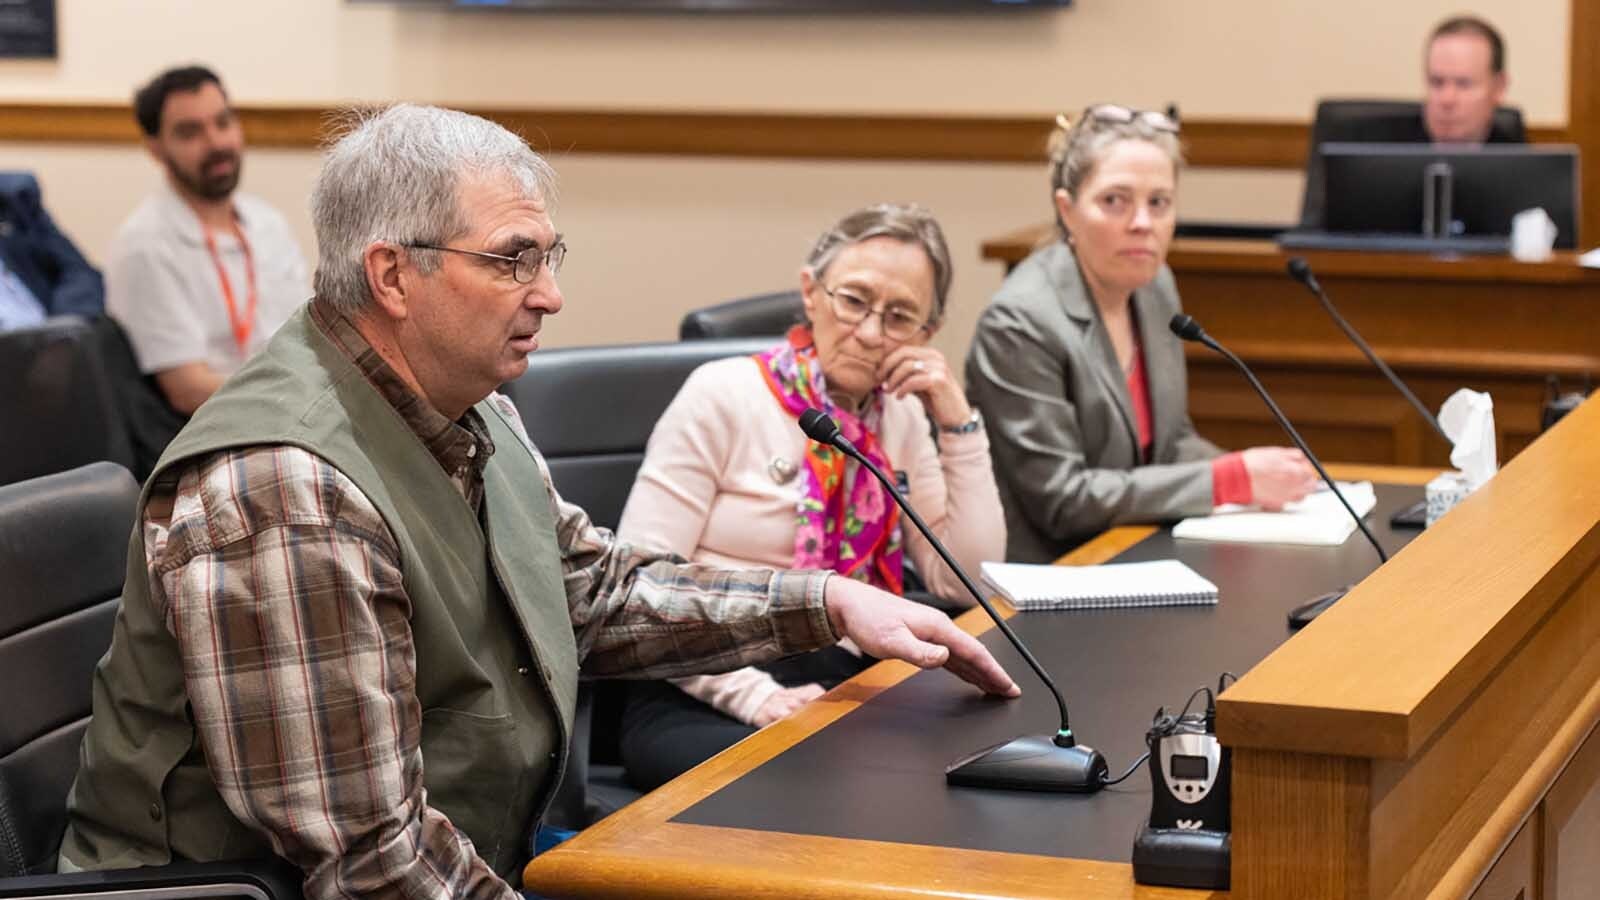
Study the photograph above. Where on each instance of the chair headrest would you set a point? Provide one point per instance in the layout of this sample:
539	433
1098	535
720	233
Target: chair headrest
589	400
56	401
753	316
63	542
1362	119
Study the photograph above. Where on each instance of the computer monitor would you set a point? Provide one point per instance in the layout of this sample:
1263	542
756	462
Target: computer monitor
1378	188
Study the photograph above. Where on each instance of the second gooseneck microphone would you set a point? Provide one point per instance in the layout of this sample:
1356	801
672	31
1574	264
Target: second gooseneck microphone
1415	515
1300	271
1187	328
1031	762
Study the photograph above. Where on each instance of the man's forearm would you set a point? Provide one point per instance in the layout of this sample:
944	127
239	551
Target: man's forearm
189	385
669	619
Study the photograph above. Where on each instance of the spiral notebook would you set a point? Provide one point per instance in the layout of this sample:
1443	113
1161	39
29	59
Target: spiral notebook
1163	582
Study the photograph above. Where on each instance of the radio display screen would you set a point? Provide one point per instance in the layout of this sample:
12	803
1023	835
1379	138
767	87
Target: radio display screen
1184	766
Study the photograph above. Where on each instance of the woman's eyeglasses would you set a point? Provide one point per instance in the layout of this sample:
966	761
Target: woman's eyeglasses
850	309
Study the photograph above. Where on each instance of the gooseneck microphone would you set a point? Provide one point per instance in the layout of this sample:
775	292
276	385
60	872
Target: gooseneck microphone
1031	762
1300	271
1415	515
1187	328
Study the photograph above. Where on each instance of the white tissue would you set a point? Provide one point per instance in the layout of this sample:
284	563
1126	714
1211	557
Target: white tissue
1468	419
1533	235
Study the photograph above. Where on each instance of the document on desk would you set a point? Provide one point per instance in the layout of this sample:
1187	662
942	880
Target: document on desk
1318	520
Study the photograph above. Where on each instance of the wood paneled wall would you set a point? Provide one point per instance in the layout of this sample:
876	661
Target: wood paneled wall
1213	143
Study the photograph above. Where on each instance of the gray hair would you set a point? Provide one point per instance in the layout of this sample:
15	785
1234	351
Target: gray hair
1076	148
395	175
904	222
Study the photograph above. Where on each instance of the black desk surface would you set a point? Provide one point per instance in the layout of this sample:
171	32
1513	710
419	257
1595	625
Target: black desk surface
878	773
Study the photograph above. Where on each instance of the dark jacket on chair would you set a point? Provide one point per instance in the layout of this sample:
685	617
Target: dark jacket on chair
41	256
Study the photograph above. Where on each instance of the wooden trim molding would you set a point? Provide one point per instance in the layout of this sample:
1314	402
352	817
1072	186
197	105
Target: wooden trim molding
1583	111
992	139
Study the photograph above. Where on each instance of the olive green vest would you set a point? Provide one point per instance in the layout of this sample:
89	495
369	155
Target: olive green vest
496	663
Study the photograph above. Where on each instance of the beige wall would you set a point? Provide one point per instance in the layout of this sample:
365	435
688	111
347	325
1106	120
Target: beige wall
653	237
1240	58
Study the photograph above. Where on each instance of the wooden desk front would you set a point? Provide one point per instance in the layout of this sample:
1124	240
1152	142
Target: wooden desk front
642	852
1489	323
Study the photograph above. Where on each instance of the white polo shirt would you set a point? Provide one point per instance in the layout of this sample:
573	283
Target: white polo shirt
162	283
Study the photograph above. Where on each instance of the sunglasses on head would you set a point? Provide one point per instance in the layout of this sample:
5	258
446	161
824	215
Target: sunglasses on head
1112	114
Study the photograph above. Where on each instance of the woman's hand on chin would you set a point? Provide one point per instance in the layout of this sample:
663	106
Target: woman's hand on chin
923	371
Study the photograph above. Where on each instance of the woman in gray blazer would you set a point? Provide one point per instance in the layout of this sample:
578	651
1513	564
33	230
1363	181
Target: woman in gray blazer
1075	372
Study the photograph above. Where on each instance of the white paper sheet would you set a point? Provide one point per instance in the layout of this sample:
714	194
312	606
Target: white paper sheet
1318	520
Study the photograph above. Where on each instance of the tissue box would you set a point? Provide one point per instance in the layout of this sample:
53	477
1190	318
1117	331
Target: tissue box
1443	493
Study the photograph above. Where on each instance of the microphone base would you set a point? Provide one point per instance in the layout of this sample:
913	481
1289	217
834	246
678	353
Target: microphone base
1301	615
1031	763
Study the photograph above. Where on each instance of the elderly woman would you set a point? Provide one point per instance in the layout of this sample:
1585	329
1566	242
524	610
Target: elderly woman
729	477
1075	371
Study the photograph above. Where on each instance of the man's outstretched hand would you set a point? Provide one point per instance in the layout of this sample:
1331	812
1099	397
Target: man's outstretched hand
890	627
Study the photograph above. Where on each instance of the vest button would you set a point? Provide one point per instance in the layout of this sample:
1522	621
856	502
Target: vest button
155	812
523	671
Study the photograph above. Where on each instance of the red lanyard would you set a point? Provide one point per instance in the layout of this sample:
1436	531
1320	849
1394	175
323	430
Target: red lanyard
242	325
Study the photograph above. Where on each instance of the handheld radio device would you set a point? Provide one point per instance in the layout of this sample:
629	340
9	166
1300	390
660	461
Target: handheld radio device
1189	775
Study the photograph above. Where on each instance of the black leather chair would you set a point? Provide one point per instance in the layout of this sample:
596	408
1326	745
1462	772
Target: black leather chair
1378	121
590	411
763	314
57	409
63	548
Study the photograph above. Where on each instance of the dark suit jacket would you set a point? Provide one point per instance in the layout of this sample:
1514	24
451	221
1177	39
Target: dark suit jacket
1060	421
43	257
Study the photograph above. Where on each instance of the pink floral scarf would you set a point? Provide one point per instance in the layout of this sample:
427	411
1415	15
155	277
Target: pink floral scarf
845	522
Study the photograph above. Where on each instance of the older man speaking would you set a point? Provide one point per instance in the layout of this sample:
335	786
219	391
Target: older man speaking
356	608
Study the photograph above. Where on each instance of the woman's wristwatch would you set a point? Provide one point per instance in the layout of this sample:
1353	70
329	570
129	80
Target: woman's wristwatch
973	423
